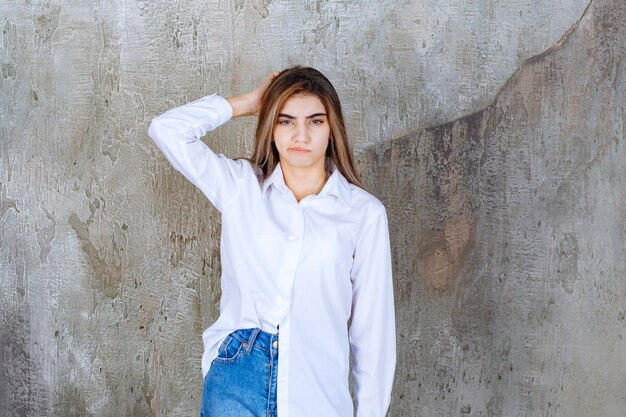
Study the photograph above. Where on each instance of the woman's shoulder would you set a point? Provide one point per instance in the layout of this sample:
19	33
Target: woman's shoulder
365	202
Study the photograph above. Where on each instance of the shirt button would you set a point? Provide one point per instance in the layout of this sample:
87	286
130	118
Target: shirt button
292	237
275	344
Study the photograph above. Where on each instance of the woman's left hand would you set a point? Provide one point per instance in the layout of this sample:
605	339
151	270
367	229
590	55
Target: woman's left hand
248	104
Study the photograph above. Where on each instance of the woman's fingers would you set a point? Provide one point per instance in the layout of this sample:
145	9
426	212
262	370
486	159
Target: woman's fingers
248	104
265	84
258	92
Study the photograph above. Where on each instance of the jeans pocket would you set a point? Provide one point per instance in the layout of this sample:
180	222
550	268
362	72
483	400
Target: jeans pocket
230	350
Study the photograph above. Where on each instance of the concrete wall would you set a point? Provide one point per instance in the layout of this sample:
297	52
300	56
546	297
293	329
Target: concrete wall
492	130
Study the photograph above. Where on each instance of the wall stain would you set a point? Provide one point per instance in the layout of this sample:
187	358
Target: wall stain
6	203
21	275
567	253
107	79
239	4
261	6
180	243
46	24
45	235
447	250
71	402
326	29
176	41
9	58
23	391
107	270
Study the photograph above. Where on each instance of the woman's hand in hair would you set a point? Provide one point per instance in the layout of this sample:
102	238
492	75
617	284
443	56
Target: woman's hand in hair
248	104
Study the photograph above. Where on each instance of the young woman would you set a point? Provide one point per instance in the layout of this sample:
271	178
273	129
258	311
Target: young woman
306	267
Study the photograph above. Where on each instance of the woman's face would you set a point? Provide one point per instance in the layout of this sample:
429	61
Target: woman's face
302	132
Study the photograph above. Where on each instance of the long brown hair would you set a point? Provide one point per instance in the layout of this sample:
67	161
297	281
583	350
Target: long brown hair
302	80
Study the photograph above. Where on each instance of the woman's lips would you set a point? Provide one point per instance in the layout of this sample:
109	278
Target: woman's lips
301	150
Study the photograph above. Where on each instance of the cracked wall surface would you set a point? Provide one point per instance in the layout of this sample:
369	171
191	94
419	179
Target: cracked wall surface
493	132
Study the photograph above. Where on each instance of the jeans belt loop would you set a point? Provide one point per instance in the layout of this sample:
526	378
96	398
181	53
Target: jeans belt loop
251	340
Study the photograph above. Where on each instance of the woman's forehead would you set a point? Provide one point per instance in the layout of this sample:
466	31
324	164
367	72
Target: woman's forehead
303	102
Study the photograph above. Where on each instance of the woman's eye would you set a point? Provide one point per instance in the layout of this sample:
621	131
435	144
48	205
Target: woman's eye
284	122
317	121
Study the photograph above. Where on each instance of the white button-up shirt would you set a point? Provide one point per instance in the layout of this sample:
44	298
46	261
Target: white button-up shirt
307	267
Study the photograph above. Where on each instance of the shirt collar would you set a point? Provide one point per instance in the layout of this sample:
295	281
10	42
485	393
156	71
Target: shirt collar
276	177
336	185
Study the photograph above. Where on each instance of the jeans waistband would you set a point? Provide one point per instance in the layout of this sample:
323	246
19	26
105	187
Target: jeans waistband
256	338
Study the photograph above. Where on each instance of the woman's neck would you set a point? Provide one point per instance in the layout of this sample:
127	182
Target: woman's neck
304	182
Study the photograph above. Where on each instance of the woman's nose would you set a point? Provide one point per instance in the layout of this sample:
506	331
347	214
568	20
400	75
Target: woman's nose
301	133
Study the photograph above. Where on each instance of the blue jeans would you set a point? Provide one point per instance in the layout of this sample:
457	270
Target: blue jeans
242	379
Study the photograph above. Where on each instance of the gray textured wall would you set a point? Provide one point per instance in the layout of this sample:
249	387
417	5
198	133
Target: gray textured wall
492	130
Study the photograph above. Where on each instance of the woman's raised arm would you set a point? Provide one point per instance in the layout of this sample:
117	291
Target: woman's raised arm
177	133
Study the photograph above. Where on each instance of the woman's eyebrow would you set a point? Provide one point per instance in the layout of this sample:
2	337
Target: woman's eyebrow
312	116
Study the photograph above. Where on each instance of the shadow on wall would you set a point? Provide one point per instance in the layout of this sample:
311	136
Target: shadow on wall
23	390
488	215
